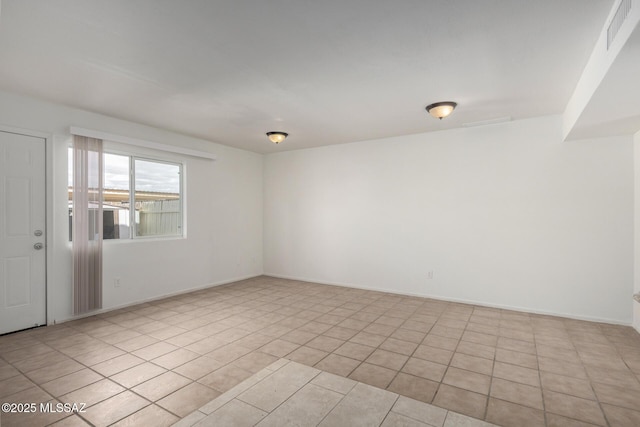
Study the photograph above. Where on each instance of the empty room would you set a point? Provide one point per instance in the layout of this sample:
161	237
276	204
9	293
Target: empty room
295	213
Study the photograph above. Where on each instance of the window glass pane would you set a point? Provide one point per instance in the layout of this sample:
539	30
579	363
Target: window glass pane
116	197
158	202
157	198
94	180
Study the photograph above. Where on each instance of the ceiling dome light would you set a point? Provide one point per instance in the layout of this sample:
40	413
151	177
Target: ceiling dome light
277	137
440	110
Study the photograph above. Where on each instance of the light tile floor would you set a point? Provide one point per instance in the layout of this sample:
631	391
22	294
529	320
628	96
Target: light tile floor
287	393
155	363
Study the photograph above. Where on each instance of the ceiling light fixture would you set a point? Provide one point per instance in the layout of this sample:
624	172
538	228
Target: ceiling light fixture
440	110
277	137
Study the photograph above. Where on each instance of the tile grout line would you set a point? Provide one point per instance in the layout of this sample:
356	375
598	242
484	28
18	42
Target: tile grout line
544	409
302	297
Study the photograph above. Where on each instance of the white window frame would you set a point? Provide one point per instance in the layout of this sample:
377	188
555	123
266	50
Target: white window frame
159	151
132	198
132	157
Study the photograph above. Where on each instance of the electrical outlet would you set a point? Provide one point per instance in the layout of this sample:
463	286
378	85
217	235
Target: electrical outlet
116	282
430	274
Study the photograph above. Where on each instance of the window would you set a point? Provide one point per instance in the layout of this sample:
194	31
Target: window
141	197
157	198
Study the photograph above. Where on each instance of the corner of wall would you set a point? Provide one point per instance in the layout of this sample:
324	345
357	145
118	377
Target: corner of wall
636	229
595	71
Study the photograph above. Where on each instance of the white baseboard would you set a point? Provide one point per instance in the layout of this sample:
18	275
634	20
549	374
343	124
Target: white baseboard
154	298
458	300
350	285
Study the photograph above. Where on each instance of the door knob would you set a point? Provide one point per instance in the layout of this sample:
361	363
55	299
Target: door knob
38	246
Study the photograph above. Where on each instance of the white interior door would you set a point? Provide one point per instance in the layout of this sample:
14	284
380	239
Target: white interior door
22	232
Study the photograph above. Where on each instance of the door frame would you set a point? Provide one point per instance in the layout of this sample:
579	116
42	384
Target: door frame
48	191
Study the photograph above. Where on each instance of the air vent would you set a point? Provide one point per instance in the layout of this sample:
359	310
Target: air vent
618	19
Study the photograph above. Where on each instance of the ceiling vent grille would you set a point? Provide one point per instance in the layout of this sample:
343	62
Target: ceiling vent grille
618	19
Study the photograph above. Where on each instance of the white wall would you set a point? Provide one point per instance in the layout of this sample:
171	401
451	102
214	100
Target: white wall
506	215
636	216
224	213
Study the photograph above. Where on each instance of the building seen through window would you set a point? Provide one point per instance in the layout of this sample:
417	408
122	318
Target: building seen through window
141	197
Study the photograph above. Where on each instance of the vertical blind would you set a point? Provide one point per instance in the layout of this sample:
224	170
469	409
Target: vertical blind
87	223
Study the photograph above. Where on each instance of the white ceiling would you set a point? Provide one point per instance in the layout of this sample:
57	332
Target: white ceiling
325	71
